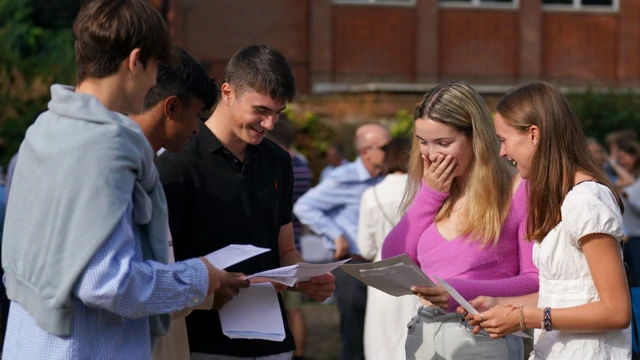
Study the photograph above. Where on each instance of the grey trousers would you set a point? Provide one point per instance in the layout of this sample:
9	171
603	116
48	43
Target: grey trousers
436	335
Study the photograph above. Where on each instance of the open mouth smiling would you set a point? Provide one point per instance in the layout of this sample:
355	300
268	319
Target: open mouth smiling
256	130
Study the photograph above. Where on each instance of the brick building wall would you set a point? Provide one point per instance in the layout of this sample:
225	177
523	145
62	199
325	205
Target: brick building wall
329	43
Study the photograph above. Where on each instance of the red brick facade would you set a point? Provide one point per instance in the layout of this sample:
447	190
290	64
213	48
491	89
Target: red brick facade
329	43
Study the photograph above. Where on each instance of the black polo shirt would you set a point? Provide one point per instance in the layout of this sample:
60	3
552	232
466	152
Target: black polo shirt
215	200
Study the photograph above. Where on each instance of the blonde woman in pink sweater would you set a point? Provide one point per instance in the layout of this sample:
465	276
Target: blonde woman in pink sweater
465	222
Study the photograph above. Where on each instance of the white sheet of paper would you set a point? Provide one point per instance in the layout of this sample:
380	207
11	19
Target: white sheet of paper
293	274
307	271
465	304
233	254
288	281
394	276
253	314
283	271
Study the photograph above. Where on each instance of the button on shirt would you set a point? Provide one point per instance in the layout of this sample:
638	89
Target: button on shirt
331	208
113	298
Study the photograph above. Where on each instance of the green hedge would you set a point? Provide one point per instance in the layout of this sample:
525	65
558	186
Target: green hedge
601	112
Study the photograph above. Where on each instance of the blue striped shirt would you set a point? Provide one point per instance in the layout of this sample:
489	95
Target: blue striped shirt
113	298
302	176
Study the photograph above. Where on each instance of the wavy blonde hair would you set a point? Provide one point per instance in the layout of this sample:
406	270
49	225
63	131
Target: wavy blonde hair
489	184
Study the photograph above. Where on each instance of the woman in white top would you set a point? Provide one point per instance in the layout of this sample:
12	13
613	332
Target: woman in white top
582	310
385	329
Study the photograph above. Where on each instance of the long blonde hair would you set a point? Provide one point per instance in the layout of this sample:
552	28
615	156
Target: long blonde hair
489	184
561	152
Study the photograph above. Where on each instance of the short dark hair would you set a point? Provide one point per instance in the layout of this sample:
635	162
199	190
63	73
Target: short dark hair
106	31
623	134
261	68
631	147
283	132
396	157
186	79
339	148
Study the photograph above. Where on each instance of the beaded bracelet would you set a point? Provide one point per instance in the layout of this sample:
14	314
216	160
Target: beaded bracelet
546	321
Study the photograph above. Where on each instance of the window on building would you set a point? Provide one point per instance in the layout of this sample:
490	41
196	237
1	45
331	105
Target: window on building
480	3
581	4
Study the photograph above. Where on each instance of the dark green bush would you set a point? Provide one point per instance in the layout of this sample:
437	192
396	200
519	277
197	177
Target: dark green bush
601	112
31	59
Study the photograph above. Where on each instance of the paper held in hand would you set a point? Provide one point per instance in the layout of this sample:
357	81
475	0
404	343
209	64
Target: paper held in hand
291	275
394	276
465	304
253	314
233	254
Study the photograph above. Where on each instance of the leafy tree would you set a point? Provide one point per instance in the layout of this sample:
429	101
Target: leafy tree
31	59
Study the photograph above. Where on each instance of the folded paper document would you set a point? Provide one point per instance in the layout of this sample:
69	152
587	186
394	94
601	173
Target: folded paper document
291	275
397	275
394	276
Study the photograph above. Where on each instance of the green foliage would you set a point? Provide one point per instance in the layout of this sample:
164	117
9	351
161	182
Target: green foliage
31	59
403	124
313	137
602	112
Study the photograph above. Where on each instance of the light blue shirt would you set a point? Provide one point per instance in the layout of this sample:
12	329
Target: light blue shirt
112	301
324	174
331	208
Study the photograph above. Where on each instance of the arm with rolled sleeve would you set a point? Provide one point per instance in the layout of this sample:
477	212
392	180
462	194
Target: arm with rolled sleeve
312	208
115	281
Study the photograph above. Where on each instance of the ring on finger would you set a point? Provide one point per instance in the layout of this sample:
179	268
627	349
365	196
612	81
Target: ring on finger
481	317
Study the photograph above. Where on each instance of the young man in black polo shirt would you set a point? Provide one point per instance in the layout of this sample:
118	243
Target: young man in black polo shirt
228	186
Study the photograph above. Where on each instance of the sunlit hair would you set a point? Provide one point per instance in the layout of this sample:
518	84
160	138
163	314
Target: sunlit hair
489	185
562	150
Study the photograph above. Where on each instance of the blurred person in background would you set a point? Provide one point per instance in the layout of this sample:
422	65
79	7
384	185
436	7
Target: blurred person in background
625	163
613	137
283	134
601	159
629	162
331	210
385	329
334	157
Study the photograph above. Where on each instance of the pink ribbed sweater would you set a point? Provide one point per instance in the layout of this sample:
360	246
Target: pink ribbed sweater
505	269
